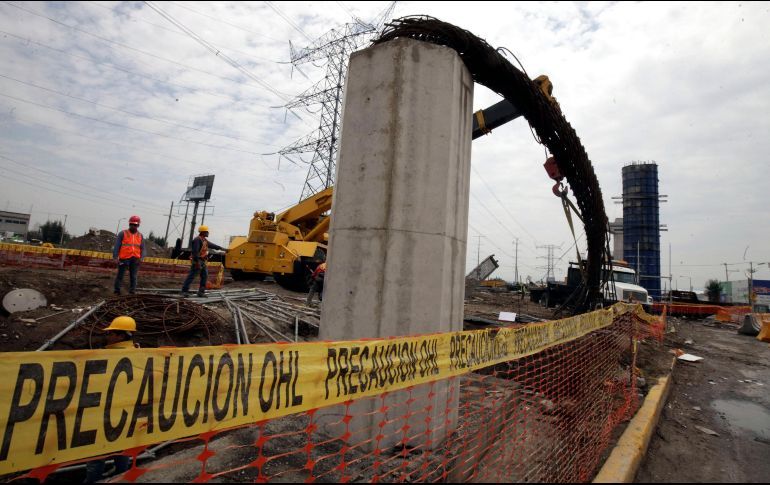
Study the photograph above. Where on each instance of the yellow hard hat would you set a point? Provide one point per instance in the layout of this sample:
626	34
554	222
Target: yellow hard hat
124	323
203	229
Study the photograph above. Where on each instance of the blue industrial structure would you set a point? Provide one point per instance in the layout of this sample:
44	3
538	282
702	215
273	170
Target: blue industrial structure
641	224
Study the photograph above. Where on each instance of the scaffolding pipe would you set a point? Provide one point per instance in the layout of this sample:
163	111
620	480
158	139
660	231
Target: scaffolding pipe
74	324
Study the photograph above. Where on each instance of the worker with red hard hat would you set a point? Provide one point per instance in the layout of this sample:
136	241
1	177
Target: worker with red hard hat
129	252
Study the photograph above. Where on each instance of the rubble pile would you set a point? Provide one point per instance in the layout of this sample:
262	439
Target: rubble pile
103	240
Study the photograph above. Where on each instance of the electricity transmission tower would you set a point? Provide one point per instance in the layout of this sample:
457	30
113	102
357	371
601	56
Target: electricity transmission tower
335	48
549	276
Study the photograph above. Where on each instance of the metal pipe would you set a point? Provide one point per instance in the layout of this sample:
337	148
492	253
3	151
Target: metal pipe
263	324
269	313
235	320
259	325
146	454
52	314
70	327
242	325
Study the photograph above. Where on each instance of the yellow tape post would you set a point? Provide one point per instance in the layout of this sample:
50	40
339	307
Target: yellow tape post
61	406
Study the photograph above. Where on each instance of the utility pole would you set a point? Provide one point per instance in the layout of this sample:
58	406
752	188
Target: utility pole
192	224
478	259
670	277
168	223
751	285
727	278
184	223
63	228
516	264
637	262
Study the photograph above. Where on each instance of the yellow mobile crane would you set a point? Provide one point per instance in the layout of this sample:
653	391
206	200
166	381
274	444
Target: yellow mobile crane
288	246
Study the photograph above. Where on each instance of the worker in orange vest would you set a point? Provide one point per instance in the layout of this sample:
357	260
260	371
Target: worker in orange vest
199	253
317	284
128	251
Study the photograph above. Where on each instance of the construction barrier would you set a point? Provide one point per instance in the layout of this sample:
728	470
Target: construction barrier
732	314
536	402
764	322
691	310
95	261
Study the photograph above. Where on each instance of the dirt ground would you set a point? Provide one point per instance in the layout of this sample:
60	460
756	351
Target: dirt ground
77	291
728	394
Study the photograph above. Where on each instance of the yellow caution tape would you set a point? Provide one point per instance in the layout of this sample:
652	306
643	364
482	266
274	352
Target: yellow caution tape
21	248
67	405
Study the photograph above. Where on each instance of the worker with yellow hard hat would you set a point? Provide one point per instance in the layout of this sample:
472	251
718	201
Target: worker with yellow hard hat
120	333
119	336
199	253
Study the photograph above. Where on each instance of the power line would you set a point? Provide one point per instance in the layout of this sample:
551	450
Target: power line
176	32
139	115
125	46
216	51
103	140
219	147
492	193
493	216
103	201
288	20
127	71
178	4
57	176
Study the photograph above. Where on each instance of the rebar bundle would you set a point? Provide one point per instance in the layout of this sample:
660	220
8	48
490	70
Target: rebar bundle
156	315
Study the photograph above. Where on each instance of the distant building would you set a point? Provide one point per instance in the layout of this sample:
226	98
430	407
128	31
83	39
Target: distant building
641	224
14	223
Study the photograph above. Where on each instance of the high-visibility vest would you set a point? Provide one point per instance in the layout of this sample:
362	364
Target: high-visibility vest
204	248
131	247
126	344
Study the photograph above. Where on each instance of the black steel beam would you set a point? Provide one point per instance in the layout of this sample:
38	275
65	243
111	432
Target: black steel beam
496	115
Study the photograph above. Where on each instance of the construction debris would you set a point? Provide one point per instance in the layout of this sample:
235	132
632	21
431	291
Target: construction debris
270	313
104	241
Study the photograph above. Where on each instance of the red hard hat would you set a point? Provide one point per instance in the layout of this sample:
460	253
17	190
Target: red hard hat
134	220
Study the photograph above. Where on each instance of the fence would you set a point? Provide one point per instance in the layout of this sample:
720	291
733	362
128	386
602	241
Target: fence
733	314
535	402
95	261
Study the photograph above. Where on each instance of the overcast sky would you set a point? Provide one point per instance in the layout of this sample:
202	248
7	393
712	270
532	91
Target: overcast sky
107	109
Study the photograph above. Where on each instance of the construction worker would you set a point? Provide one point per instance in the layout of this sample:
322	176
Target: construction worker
199	255
119	336
129	252
317	283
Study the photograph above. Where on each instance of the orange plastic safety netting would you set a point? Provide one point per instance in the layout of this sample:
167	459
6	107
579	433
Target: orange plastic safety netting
545	417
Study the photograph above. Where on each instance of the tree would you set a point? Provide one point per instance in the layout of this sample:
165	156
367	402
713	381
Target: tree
713	290
160	241
51	232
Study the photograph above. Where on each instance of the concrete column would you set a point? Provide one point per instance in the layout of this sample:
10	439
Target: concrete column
396	262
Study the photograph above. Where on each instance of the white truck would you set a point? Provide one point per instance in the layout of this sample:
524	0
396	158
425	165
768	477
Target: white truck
625	286
621	287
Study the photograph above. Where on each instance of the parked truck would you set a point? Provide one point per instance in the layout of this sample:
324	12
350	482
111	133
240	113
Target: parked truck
621	286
